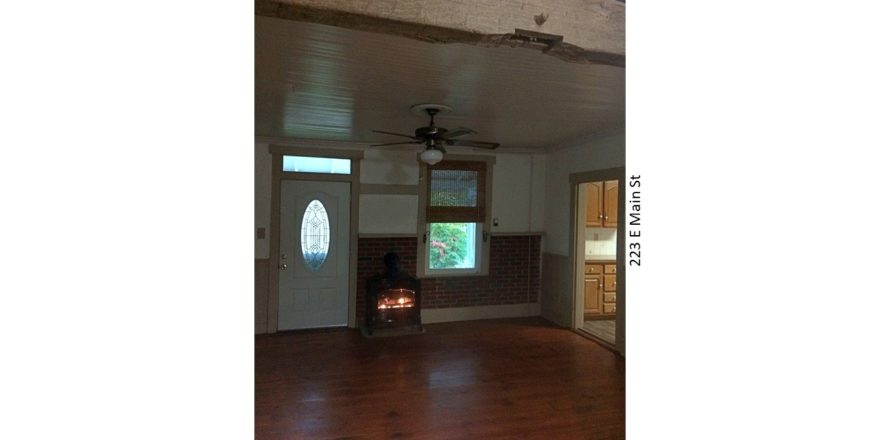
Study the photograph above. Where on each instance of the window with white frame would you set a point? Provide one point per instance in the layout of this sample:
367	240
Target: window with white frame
455	216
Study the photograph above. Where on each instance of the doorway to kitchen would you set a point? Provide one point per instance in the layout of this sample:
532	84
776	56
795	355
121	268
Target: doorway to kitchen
597	240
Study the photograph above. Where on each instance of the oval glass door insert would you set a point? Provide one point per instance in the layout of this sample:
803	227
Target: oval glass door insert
315	235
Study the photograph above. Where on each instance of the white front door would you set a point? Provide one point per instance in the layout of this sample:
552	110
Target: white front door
313	280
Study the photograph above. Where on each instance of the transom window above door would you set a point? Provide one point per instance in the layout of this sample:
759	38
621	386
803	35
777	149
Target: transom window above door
309	164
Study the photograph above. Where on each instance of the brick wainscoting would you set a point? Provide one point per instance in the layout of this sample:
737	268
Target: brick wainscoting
514	273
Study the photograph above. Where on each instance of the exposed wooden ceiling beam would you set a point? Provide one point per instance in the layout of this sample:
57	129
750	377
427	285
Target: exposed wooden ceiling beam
582	31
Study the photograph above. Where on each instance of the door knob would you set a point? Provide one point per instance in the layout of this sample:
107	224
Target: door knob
283	266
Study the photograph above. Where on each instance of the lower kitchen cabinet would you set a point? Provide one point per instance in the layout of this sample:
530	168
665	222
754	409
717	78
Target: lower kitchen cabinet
592	294
600	288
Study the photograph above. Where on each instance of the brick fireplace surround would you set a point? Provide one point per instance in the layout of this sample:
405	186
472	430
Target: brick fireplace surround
514	273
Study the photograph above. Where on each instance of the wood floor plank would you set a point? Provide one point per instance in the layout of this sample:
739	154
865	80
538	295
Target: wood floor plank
506	379
602	329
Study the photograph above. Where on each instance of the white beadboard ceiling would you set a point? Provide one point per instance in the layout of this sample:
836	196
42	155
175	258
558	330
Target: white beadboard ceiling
328	83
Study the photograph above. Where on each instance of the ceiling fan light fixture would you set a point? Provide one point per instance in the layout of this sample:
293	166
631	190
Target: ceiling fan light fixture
431	156
435	137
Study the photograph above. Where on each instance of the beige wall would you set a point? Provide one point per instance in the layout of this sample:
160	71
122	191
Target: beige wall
556	289
388	214
573	157
261	295
391	167
517	193
262	194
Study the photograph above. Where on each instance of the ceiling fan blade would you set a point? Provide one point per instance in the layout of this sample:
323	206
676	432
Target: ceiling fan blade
460	131
397	143
396	134
475	144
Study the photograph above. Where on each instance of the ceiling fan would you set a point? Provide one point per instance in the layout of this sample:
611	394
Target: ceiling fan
436	138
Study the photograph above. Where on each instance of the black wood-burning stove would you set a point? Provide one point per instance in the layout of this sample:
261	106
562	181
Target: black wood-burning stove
393	299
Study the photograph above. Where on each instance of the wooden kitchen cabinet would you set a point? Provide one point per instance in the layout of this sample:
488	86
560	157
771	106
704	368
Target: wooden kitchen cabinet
602	204
592	294
610	204
594	204
610	284
600	288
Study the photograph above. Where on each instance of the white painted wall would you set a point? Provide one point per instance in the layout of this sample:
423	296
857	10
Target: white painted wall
574	157
388	214
539	183
262	197
517	189
517	193
390	167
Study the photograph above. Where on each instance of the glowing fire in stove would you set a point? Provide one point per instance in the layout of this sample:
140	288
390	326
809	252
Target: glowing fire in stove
396	299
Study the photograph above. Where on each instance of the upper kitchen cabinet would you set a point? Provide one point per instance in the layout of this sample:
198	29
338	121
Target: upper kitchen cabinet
602	204
610	203
594	205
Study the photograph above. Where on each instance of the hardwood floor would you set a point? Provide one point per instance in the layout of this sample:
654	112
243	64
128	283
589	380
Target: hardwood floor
512	379
602	329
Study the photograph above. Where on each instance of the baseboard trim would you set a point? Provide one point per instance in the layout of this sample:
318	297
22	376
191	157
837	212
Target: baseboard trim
451	314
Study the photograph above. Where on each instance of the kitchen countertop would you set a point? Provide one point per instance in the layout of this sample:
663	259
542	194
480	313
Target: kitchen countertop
600	258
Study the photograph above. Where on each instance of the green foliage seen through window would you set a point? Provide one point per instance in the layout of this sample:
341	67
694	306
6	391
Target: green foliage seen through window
449	247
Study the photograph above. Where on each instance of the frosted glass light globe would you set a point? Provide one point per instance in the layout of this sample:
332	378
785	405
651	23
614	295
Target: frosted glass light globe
431	157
